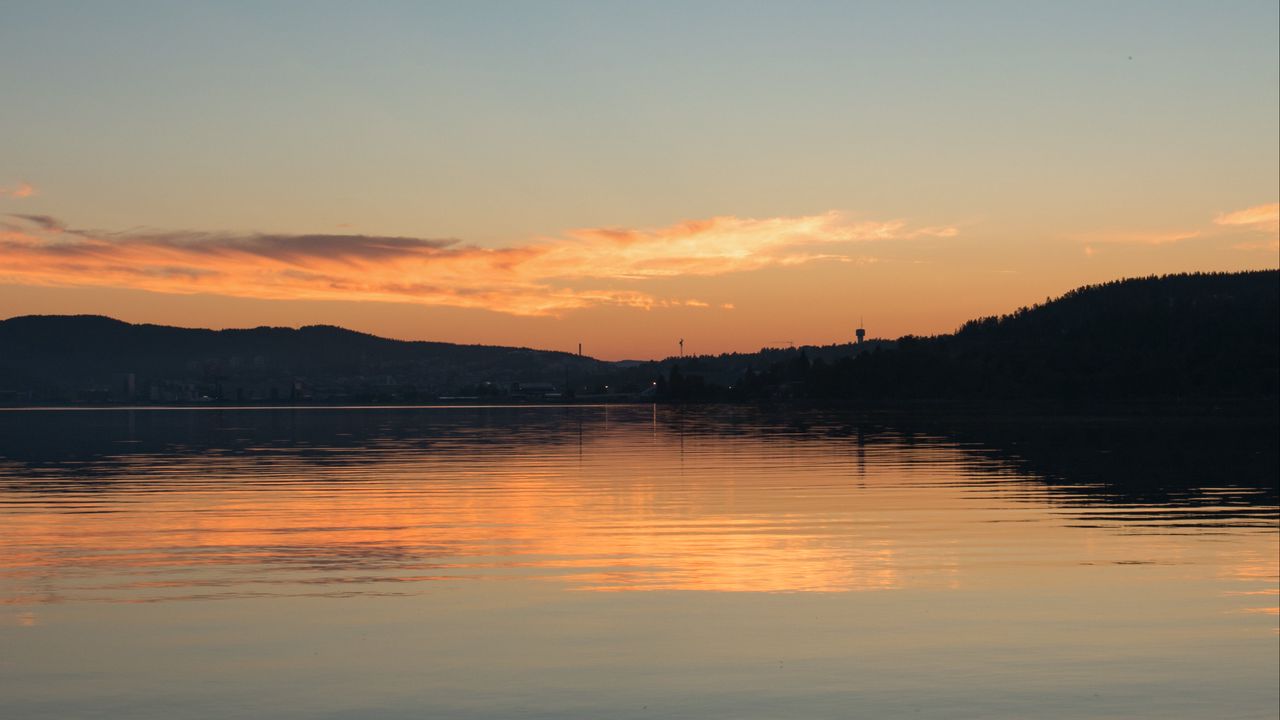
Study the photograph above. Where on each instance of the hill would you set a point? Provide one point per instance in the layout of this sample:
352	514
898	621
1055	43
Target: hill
93	358
1157	340
1170	338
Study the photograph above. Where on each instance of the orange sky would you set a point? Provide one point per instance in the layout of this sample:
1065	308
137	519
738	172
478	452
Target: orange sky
601	175
727	283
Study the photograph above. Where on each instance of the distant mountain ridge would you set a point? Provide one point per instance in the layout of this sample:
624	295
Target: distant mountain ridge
1170	338
1201	336
90	357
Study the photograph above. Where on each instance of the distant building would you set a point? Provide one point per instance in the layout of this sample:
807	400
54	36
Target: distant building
124	386
540	390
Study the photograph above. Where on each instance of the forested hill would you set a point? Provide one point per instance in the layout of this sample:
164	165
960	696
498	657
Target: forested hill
1198	337
1172	337
86	357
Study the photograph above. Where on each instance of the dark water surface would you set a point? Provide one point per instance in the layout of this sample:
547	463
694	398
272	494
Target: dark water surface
632	562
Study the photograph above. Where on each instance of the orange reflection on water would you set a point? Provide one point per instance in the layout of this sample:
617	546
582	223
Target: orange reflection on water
618	510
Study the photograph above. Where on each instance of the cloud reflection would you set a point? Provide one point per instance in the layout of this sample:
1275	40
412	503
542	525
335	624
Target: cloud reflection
264	504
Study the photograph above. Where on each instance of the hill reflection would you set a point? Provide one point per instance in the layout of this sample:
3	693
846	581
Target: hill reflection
143	506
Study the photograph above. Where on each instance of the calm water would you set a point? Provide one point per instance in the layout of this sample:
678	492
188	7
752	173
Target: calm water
631	562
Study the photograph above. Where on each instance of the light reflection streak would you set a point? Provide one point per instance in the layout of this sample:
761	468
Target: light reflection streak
619	506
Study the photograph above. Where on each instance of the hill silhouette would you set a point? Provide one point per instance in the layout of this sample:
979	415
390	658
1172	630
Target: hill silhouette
1191	338
87	357
1170	338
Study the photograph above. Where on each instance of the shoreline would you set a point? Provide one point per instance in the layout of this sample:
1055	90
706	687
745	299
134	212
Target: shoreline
934	410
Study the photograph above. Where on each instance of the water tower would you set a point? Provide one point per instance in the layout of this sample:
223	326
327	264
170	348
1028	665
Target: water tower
861	332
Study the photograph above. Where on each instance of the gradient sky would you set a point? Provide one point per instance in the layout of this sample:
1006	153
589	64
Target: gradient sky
625	174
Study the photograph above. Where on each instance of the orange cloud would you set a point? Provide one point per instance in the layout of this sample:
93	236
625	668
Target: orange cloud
1265	218
1272	245
534	279
716	246
1139	238
22	190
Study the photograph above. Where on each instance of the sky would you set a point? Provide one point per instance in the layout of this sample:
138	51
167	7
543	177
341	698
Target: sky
624	175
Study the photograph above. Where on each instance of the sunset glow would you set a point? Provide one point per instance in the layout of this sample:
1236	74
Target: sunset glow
534	279
632	360
440	175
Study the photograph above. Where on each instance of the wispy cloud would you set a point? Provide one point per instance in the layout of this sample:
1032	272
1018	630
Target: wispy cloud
44	222
715	246
545	276
1139	238
1273	245
1265	218
21	190
1257	219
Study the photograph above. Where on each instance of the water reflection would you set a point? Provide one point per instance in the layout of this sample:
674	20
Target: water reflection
146	506
630	563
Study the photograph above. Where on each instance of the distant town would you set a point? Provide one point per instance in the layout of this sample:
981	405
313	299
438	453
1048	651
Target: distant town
99	360
1181	337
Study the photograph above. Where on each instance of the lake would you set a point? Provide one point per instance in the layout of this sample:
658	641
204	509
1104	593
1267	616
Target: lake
633	562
